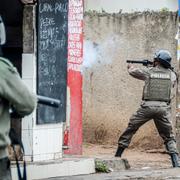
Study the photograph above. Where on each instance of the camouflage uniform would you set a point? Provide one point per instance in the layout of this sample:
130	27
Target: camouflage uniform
159	111
13	93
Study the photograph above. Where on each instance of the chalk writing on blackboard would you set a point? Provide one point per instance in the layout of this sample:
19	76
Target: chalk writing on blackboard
52	57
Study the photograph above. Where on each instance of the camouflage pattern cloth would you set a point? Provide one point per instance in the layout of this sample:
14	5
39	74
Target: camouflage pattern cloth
159	111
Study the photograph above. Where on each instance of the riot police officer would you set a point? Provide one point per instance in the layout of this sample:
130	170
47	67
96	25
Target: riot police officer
13	93
156	103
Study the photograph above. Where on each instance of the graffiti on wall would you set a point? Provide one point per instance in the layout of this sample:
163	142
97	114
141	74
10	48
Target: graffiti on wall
75	59
75	35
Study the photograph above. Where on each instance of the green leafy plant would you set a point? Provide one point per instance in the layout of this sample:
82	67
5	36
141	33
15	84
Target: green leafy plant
101	167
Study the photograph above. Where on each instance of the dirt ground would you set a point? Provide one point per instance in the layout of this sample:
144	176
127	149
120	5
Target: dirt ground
137	158
146	164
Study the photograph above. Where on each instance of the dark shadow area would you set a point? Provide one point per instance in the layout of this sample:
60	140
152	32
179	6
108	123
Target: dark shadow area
12	15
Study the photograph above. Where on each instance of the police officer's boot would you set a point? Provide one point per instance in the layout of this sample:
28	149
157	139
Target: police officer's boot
175	159
119	151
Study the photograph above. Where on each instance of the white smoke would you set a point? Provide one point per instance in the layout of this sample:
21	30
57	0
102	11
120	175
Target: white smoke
90	54
99	54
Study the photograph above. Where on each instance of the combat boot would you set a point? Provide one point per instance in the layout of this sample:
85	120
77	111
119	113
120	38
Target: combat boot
119	151
175	160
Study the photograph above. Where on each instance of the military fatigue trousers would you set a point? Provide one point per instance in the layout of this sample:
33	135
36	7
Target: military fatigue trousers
161	116
5	173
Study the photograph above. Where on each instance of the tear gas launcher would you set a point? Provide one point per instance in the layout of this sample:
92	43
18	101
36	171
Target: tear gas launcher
144	62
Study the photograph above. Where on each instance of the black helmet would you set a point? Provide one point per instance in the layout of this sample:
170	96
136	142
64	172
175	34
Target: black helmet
164	57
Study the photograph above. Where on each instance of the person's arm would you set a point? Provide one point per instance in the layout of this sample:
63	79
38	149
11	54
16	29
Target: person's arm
15	91
138	73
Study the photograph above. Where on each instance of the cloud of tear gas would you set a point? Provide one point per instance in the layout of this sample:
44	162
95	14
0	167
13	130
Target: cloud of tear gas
90	54
99	54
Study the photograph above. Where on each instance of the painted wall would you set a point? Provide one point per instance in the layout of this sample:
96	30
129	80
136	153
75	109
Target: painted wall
74	85
110	95
130	6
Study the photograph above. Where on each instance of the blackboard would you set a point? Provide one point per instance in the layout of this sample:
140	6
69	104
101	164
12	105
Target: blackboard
52	39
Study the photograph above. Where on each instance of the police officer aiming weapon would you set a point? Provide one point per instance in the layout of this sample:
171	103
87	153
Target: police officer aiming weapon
146	62
158	92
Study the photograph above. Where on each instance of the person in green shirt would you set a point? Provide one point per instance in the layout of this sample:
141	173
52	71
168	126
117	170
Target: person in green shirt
13	94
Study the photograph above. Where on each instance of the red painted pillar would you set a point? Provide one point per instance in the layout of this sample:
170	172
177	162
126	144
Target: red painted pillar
75	59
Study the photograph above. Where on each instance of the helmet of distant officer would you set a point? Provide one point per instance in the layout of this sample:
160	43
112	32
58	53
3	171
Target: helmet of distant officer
164	57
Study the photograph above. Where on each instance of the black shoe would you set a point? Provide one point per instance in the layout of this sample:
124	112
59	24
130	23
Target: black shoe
175	160
119	151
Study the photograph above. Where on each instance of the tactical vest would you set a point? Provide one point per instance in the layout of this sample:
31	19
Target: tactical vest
158	85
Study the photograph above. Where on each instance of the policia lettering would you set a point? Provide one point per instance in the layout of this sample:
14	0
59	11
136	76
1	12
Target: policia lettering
158	86
157	95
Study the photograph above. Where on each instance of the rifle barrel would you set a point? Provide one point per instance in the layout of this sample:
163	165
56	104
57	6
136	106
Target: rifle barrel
48	101
134	61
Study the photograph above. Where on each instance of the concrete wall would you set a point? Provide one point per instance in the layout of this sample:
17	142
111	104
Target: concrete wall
110	95
129	5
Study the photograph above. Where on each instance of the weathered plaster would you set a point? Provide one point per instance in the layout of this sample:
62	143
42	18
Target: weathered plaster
110	95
